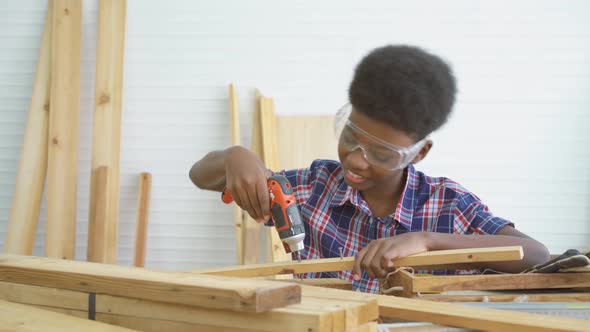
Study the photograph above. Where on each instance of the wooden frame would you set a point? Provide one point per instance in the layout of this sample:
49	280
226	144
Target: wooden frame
413	284
445	259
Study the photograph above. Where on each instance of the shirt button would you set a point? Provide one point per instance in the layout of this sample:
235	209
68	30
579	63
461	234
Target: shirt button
370	220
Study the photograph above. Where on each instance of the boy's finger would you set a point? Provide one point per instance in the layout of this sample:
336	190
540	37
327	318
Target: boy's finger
254	207
356	267
367	263
264	199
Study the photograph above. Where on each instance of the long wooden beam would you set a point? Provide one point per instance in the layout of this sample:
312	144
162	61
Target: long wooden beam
316	312
234	124
443	259
98	216
217	292
30	179
16	317
458	315
62	160
475	318
108	106
143	205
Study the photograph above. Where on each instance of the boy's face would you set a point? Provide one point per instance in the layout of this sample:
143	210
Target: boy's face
362	175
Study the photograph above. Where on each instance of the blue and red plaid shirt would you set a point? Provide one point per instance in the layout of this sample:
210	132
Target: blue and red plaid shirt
336	216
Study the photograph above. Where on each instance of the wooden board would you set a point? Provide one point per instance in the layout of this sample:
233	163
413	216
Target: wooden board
108	106
508	296
236	294
20	318
251	230
472	317
97	222
62	162
310	315
234	124
32	168
143	205
305	138
270	159
497	282
439	259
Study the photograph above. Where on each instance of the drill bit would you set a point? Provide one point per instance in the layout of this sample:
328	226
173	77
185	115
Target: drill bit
296	256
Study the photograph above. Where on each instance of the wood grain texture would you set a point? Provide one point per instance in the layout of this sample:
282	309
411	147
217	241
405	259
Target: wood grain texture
236	294
507	296
108	106
143	205
304	139
234	124
16	317
98	216
32	168
62	162
432	259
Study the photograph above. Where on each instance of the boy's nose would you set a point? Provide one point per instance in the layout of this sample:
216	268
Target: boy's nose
356	159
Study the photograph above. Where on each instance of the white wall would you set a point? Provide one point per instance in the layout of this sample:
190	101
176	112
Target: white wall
518	137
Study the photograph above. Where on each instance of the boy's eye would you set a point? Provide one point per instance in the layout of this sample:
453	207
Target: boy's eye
381	156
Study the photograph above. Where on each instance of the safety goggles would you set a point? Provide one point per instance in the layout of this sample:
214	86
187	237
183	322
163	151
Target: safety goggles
376	151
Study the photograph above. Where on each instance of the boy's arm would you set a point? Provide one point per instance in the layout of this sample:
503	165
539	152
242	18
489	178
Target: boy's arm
376	258
241	172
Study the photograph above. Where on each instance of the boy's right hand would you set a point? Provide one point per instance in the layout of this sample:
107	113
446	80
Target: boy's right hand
246	180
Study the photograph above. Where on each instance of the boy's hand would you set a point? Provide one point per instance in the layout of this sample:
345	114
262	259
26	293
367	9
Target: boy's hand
376	258
246	179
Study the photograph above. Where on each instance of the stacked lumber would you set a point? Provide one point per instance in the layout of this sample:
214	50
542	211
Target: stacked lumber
156	301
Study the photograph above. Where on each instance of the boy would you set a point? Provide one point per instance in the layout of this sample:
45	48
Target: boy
373	203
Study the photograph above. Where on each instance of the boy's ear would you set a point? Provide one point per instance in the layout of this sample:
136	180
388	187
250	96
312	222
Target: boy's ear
423	152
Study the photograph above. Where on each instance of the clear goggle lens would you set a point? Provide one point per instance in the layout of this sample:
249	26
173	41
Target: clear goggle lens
376	151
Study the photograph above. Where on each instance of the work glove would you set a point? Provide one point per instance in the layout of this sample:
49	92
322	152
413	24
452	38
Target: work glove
570	261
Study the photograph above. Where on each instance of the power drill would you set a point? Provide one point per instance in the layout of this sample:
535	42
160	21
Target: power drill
285	214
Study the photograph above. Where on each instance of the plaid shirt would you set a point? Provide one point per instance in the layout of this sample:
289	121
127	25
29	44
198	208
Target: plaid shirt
336	216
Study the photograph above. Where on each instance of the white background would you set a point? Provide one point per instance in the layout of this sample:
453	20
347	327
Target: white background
518	137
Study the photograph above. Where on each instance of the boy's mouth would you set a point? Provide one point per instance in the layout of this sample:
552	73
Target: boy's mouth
354	177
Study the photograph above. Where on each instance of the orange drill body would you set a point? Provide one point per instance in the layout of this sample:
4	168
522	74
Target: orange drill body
285	213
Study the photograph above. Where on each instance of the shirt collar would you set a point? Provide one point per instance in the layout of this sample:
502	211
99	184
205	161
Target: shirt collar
405	209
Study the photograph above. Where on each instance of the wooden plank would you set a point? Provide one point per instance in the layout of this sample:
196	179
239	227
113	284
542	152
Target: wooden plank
296	317
500	282
108	106
270	158
98	215
325	282
19	318
143	205
439	259
251	230
32	168
507	296
234	123
299	137
62	162
475	318
370	308
237	294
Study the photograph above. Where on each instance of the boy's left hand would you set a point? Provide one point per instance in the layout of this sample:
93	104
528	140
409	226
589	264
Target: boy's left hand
376	258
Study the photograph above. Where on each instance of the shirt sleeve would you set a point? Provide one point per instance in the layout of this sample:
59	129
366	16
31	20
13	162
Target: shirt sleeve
472	216
301	180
